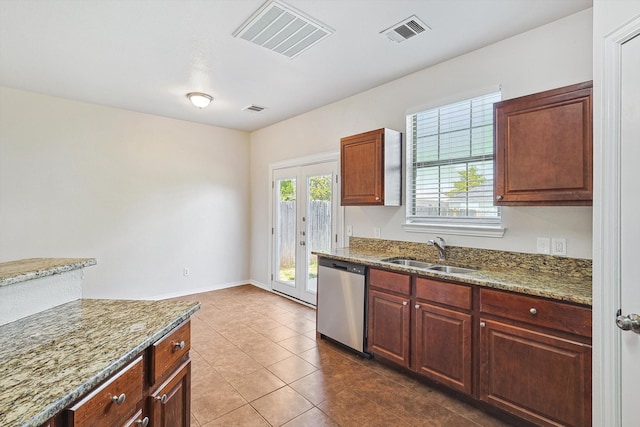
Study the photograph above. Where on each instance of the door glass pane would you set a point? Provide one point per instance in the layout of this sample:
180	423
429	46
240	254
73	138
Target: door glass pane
318	224
286	230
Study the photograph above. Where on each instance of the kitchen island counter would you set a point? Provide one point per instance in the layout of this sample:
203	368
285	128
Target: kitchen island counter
50	359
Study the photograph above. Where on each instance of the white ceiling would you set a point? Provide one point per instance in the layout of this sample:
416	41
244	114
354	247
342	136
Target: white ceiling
145	55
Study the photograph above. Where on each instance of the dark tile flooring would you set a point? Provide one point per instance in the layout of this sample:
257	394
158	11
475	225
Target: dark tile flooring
256	362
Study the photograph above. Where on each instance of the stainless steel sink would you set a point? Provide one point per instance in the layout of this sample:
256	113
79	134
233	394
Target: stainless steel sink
407	262
451	269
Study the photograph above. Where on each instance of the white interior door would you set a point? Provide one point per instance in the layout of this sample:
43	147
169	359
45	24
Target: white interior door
305	219
630	227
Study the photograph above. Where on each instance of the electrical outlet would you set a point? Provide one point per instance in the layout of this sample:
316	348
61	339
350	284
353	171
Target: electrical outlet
349	230
558	246
376	232
543	245
185	271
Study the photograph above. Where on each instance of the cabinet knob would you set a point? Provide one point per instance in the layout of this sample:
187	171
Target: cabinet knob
404	303
119	400
483	325
377	197
533	311
498	197
162	399
143	422
178	345
417	306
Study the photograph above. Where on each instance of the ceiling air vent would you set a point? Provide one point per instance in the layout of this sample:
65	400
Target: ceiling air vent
405	29
278	27
253	107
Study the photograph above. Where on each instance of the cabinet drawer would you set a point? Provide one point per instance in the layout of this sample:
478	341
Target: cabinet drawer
394	282
458	296
166	352
536	311
100	408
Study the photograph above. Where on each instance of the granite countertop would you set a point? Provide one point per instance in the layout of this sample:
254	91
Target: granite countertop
52	358
34	268
570	287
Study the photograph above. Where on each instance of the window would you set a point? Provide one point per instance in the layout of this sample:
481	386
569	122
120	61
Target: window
450	164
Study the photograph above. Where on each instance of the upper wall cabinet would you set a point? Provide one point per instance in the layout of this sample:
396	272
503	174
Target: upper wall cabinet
371	168
544	148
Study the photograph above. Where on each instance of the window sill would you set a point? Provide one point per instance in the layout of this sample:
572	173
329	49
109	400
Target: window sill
457	229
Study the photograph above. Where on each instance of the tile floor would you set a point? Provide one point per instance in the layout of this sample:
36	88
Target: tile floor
256	362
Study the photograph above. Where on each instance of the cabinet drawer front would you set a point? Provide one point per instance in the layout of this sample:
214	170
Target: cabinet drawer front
394	282
166	352
550	314
458	296
100	408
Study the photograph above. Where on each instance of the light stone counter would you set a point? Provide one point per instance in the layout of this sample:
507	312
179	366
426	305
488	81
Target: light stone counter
50	359
33	268
29	286
564	279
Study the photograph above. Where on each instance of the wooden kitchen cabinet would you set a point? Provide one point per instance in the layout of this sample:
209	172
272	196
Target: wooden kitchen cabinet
154	390
544	148
443	331
428	330
540	374
170	403
371	168
389	315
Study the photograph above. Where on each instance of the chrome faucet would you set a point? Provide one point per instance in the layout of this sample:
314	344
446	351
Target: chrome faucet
439	243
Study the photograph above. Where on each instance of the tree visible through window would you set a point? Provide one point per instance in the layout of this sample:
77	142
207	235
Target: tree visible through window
450	162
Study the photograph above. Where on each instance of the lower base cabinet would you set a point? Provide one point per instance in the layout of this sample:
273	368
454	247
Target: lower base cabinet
152	391
527	356
170	404
443	346
536	376
389	326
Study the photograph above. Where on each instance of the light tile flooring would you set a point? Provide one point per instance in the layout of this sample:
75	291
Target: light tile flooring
256	362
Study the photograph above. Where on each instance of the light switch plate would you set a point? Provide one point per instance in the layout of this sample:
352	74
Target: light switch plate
543	245
558	246
349	230
376	232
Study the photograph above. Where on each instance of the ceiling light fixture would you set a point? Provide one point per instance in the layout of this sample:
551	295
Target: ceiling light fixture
199	99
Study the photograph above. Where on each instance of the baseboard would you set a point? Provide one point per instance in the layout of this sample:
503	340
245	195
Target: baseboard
188	292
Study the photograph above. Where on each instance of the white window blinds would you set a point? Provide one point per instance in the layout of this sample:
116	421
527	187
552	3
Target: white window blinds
450	163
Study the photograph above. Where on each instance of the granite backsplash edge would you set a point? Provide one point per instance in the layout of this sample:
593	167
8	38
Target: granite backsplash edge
478	258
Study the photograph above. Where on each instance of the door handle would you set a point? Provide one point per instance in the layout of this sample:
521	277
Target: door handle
630	322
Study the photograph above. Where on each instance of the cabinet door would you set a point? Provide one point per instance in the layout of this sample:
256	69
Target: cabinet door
536	376
443	346
389	326
361	169
170	403
543	148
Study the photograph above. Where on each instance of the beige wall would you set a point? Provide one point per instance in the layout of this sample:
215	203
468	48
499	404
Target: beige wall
145	195
551	56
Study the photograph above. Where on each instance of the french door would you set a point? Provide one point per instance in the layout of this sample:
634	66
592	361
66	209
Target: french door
305	219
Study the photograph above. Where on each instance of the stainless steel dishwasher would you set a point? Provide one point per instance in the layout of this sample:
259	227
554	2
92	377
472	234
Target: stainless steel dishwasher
341	305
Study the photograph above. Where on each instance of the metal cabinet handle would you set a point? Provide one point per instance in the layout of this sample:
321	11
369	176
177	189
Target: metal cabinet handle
483	325
178	345
143	422
533	311
417	306
162	399
404	303
630	322
119	400
498	197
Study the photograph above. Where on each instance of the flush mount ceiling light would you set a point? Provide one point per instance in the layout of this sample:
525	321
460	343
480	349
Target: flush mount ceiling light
199	99
405	29
282	29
